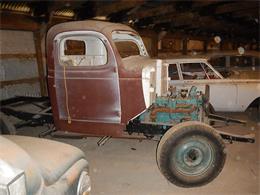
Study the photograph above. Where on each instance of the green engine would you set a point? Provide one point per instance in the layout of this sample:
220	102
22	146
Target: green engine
184	105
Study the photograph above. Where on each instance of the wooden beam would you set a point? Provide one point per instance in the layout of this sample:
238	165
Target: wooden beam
155	11
184	18
236	6
19	81
194	20
185	46
205	46
105	8
182	35
247	14
203	3
17	55
11	21
39	56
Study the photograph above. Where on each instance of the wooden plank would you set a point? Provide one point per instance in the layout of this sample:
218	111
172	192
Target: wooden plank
195	21
39	56
105	8
10	21
19	81
17	55
203	3
205	46
155	11
247	14
236	6
185	46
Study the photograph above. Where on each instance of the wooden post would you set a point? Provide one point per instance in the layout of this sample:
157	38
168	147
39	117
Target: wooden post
234	45
154	44
184	46
205	46
38	49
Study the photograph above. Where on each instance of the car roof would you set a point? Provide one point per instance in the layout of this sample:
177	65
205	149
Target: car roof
188	59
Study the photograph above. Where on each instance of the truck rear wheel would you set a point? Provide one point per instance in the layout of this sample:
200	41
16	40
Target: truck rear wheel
191	154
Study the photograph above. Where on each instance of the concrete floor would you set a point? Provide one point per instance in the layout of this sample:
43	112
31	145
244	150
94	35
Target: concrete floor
129	167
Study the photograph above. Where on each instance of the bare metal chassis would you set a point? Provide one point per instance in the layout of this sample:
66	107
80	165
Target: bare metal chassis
44	117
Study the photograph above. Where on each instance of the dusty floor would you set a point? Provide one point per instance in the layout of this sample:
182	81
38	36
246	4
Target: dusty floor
129	167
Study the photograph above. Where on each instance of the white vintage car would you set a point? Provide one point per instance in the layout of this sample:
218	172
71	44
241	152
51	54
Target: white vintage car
231	95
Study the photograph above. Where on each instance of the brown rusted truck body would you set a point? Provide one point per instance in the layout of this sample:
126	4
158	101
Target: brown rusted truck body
101	99
102	82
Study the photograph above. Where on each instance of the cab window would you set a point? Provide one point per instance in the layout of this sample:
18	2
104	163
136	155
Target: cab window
82	51
128	44
127	48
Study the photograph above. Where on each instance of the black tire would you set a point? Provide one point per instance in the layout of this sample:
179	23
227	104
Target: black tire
6	127
191	154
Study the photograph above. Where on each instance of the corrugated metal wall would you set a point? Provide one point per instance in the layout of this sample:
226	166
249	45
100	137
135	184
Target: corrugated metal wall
18	63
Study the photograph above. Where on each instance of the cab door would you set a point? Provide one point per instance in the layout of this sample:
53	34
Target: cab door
86	78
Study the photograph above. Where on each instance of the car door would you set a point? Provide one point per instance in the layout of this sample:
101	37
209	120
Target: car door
223	93
86	78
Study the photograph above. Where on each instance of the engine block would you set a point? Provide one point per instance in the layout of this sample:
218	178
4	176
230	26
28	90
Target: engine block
177	107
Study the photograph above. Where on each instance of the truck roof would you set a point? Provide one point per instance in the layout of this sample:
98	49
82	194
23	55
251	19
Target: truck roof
88	25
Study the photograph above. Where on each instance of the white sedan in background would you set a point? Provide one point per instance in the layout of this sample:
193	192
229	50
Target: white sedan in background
231	95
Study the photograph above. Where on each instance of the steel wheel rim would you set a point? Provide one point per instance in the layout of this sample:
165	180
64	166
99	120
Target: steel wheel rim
193	156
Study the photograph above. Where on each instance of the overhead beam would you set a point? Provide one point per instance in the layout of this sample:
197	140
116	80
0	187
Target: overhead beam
155	11
203	3
10	21
247	14
105	8
236	6
194	20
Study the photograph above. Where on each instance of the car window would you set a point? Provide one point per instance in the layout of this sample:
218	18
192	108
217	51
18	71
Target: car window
173	72
82	51
210	74
197	71
192	71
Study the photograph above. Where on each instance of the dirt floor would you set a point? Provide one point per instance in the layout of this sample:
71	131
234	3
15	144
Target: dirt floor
129	167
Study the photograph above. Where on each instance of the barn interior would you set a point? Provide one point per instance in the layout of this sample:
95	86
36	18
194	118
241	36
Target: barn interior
168	29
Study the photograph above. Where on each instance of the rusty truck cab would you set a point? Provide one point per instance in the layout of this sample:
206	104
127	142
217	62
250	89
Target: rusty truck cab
91	91
103	83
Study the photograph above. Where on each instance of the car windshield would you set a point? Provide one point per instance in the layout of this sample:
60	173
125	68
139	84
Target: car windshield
197	71
128	44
